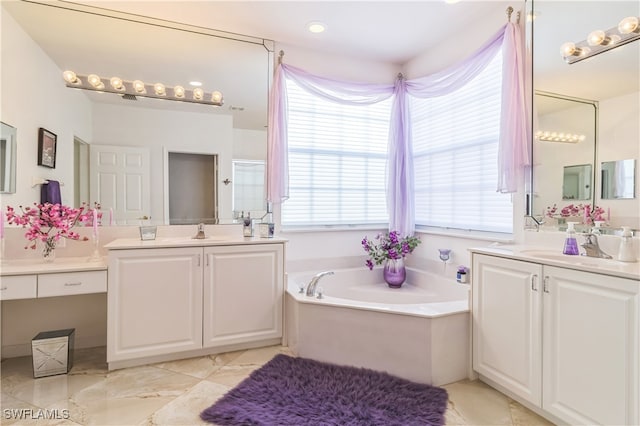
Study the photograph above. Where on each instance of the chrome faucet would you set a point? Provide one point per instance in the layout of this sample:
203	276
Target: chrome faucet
592	248
311	287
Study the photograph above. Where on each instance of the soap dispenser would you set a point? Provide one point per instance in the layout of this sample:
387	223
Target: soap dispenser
626	253
570	242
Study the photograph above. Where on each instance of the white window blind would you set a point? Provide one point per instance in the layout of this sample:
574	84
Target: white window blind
337	161
455	145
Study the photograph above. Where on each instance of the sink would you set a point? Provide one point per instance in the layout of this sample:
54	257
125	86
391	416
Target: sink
575	260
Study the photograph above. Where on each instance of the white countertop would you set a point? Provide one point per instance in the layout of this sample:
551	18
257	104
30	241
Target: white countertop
546	256
136	243
61	264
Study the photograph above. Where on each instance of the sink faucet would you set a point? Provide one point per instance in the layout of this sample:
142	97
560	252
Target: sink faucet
592	247
200	235
311	287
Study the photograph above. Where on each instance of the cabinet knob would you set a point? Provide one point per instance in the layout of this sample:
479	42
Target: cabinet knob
545	286
534	282
72	284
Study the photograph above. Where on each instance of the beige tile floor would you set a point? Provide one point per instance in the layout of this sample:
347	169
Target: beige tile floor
174	393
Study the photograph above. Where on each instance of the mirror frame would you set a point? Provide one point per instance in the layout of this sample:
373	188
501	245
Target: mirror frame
9	164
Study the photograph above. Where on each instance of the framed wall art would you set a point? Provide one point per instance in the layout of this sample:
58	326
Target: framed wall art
46	148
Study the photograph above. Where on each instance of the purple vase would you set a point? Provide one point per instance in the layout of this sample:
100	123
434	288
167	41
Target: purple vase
394	272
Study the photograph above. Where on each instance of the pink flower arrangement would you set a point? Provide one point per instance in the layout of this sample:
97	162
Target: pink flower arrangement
589	214
49	223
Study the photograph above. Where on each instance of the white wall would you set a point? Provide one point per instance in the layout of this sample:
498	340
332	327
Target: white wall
34	96
619	139
249	144
467	40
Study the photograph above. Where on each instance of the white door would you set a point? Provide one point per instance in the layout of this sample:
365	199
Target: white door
120	180
506	324
591	344
243	292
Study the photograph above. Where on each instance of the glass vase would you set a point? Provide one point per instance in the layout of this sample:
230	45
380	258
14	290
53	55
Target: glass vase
394	272
49	250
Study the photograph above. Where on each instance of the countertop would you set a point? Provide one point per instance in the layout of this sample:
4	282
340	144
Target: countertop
169	242
546	256
61	264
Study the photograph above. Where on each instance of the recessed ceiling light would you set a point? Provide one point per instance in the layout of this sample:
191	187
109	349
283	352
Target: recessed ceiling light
451	1
316	27
195	83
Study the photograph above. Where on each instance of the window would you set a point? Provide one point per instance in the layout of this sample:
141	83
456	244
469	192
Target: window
455	146
337	161
248	186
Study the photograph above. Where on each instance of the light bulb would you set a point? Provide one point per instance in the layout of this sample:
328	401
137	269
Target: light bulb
568	49
159	89
628	25
198	94
597	37
71	77
138	86
117	83
95	81
178	92
216	97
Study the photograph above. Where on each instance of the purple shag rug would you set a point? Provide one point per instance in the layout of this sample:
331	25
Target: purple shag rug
298	391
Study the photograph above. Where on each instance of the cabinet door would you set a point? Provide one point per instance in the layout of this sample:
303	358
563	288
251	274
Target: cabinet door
154	302
506	324
243	292
590	346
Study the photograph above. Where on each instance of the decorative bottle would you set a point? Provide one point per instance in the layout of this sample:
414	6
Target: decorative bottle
570	242
247	226
267	226
626	253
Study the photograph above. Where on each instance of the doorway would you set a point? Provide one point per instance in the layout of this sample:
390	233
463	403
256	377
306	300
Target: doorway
193	192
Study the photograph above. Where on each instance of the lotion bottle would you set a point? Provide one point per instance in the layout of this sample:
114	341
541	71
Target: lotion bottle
626	253
570	242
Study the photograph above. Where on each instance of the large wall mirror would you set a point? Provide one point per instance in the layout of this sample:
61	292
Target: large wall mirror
100	135
596	99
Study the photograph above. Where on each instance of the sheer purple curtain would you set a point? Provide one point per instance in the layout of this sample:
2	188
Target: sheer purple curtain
400	178
515	126
513	144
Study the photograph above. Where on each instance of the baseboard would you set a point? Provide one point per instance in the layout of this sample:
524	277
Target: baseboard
24	349
116	365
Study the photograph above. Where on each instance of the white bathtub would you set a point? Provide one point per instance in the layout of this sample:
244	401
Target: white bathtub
419	332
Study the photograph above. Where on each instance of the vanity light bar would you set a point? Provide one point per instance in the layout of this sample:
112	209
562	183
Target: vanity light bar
599	41
139	88
559	137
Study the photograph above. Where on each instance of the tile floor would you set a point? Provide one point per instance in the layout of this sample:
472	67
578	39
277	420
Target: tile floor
174	393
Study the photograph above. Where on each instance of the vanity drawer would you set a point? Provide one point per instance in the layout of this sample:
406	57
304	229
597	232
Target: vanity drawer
70	283
18	287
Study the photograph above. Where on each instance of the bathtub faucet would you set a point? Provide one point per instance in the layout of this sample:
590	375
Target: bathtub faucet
311	287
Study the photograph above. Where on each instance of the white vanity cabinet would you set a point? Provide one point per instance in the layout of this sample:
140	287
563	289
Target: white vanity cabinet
564	340
507	331
154	302
243	294
174	302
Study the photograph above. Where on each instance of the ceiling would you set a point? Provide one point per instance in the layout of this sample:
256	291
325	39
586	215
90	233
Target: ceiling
385	31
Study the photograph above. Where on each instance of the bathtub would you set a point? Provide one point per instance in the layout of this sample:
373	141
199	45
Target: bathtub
419	332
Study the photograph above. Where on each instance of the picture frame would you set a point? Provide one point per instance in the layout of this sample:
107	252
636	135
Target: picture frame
47	148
